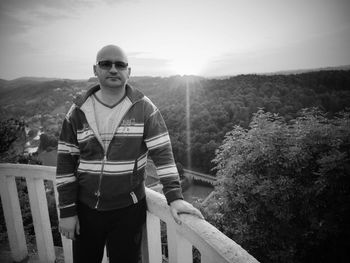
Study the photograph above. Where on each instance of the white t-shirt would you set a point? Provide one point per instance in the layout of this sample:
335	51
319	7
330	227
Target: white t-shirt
108	118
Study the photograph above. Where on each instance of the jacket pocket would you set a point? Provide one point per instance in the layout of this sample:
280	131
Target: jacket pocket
113	186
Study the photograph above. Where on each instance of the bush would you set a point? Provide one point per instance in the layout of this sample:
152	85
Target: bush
283	188
47	142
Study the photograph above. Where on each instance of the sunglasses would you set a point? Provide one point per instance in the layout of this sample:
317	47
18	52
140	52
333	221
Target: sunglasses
107	64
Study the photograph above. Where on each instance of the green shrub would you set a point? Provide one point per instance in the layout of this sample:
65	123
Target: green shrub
283	188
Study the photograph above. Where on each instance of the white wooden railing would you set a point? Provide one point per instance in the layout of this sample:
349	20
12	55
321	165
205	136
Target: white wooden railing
200	176
213	245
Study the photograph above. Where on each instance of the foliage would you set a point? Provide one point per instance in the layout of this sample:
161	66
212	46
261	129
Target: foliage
47	142
10	131
284	187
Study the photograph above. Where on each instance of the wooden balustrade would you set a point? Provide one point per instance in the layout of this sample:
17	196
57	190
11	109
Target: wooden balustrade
213	245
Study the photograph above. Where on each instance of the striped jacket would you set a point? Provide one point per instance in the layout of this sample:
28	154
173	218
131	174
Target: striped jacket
115	178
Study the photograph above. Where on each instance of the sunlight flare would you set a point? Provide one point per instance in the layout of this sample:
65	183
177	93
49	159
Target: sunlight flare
188	127
189	61
189	65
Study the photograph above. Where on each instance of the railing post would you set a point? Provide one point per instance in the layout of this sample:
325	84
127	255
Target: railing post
13	217
66	243
41	220
67	249
105	258
144	246
206	258
179	248
151	241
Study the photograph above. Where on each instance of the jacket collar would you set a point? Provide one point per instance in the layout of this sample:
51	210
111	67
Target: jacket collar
133	94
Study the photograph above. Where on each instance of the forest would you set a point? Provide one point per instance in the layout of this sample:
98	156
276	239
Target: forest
279	146
215	106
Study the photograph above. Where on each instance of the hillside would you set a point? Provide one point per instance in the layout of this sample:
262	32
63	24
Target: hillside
300	71
28	97
215	105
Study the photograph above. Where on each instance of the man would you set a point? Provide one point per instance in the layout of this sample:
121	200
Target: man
102	153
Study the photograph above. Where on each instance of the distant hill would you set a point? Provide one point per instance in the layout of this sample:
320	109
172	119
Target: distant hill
36	79
215	105
285	72
299	71
31	96
22	81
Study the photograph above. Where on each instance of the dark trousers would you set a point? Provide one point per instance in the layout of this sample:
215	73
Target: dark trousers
120	230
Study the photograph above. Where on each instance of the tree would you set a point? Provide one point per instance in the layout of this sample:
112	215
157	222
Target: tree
283	188
12	140
10	131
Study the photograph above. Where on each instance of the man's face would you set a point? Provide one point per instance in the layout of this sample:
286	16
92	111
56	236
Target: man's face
111	68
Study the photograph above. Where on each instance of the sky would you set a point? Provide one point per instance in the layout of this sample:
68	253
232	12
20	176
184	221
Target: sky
60	39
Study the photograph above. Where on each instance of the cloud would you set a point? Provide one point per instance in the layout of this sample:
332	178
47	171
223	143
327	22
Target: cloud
18	17
319	50
10	25
49	17
113	2
15	5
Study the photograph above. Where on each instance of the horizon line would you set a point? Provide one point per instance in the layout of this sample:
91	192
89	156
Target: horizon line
281	72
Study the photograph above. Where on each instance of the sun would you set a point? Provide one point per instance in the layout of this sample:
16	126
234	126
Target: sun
188	64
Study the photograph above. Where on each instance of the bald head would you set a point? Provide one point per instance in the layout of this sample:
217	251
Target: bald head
112	68
111	51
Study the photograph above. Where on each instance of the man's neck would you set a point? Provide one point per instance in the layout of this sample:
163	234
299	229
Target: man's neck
111	96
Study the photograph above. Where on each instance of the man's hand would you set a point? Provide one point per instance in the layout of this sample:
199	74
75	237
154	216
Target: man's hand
182	207
69	226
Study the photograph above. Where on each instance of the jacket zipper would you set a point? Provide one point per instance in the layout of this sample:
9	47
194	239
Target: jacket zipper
98	192
134	197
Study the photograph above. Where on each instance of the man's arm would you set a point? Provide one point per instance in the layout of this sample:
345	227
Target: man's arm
67	161
158	143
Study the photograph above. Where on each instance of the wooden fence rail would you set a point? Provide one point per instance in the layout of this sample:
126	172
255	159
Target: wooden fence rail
213	245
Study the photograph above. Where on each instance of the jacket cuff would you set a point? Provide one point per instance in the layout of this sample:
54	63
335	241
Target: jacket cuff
174	195
68	212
